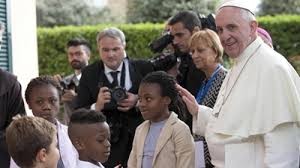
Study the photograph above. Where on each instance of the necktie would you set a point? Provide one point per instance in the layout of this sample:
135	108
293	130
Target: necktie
114	75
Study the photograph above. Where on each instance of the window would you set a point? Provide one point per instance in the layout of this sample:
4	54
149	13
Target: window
5	47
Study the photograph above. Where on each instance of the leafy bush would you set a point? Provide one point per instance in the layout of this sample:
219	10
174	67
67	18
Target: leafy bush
284	29
52	43
285	32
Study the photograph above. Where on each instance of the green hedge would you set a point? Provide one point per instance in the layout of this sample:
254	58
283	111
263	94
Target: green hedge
285	32
52	43
284	29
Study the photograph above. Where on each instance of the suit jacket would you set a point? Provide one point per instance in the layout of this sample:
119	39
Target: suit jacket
11	104
91	79
122	125
175	146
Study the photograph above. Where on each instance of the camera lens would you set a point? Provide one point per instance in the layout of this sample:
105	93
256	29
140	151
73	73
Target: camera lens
118	94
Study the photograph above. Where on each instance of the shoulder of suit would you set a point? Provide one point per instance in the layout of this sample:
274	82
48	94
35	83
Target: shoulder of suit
142	65
94	66
176	122
138	61
7	80
143	124
7	76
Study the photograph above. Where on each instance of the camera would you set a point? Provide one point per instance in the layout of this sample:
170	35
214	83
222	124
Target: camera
164	61
161	43
67	84
208	22
118	94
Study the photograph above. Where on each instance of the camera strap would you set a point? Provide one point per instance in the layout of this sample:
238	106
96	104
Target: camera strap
122	81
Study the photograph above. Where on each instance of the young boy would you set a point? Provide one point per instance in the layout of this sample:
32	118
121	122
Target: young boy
90	135
32	142
43	98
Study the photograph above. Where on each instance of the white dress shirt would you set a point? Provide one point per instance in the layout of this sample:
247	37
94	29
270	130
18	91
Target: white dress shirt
128	83
84	164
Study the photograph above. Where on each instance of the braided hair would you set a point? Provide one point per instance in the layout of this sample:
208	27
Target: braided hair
41	81
167	84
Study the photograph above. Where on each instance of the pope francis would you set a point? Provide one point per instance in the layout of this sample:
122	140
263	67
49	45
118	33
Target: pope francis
255	121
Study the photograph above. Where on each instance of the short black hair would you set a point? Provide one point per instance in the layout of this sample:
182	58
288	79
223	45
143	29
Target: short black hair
87	116
79	41
41	81
188	18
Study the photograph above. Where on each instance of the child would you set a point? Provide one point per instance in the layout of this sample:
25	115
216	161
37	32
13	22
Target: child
162	140
42	96
32	142
90	135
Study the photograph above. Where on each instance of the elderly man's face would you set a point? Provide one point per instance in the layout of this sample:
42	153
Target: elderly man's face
234	31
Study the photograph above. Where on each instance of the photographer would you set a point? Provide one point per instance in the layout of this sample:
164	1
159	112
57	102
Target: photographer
110	85
173	49
78	52
181	27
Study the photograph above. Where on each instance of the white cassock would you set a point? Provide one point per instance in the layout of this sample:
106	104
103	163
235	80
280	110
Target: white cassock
255	121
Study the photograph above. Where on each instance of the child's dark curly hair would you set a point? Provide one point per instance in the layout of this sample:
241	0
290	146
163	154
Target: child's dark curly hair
40	81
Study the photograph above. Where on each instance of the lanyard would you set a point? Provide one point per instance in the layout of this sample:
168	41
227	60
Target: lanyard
122	82
206	85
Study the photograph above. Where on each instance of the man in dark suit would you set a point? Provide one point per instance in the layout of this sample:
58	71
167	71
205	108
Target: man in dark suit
11	104
182	26
96	91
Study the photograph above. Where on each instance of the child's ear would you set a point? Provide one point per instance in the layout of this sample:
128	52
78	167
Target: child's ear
41	155
167	100
79	144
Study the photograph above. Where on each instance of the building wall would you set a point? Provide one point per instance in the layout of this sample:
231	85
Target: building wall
118	9
24	39
22	18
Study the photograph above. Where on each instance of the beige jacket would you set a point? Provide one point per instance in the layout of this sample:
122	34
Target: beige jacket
174	148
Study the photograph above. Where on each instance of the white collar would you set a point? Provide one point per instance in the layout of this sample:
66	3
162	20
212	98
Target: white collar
78	76
108	70
84	164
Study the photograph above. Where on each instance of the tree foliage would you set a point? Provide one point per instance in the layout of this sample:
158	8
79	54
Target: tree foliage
158	11
271	7
69	12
